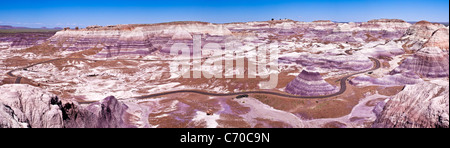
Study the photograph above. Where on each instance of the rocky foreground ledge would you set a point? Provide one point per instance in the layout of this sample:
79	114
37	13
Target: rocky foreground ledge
25	106
423	105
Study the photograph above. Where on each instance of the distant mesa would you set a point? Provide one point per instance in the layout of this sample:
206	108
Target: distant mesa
14	27
423	23
6	27
428	24
137	39
310	83
386	21
58	28
93	27
11	27
322	21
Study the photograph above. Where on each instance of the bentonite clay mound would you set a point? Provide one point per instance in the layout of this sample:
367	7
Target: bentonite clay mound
429	62
309	83
403	78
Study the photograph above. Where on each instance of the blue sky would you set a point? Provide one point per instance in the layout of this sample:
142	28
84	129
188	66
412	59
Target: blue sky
53	13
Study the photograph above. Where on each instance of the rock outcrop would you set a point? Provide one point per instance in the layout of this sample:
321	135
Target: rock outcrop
107	113
309	83
419	33
28	106
439	39
24	106
9	119
424	105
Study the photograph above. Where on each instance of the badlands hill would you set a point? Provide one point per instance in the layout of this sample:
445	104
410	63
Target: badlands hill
310	83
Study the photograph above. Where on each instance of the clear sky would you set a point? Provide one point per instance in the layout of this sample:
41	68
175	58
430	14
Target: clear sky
56	13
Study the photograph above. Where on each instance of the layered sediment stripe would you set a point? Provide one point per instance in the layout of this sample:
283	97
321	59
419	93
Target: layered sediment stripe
310	84
429	62
405	78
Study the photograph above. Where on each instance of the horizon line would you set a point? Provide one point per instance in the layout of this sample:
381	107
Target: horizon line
84	25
